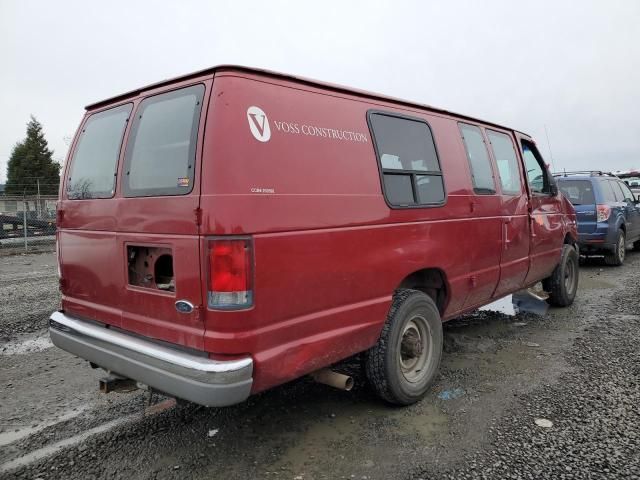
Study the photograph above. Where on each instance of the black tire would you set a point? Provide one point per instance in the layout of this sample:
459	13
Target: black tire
404	362
562	285
616	258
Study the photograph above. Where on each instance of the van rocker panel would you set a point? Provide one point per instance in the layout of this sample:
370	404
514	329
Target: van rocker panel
212	383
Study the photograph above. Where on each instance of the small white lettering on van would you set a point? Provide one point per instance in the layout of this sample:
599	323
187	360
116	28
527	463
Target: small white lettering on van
262	190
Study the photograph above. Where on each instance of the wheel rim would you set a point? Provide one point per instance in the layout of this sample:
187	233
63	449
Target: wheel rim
570	272
415	351
621	248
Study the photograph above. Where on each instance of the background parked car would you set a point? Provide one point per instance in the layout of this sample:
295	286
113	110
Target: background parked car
607	211
632	179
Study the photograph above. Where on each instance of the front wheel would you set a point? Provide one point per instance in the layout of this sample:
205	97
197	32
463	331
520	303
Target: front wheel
404	362
562	285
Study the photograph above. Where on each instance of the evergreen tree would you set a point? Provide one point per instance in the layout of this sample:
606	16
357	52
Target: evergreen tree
31	162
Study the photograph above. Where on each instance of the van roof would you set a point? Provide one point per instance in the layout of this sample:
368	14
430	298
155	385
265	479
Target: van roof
284	76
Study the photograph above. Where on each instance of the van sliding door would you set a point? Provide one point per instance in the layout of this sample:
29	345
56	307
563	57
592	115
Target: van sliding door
514	260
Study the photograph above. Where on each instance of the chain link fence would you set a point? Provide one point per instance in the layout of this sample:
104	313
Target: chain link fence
27	223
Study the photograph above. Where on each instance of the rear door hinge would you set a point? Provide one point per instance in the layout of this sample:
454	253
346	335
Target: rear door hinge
198	213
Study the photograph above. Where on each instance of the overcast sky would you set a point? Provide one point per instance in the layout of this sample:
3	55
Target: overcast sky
573	66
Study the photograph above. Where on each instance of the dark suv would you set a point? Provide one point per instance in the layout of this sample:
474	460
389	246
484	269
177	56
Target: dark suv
607	211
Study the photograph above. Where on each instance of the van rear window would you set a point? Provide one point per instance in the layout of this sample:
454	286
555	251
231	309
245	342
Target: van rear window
161	150
411	174
578	192
95	160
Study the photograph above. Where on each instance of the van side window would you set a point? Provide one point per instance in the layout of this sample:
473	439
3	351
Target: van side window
479	162
411	174
161	150
95	160
505	154
536	171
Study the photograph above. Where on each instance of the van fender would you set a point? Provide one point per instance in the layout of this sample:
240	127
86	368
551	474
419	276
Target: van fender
432	281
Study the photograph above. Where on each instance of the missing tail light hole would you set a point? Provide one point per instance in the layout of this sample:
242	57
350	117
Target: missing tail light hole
150	267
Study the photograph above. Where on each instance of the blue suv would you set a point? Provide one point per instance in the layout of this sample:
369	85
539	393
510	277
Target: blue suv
607	211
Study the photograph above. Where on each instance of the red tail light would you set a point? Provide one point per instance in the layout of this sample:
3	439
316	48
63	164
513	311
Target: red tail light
604	211
230	273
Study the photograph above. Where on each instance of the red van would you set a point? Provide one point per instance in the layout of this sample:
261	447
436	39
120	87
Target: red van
234	229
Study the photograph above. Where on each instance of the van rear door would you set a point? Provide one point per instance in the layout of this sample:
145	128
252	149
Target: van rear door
147	248
157	215
580	194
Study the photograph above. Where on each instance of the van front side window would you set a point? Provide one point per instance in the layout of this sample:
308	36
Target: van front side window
536	173
161	150
407	155
95	160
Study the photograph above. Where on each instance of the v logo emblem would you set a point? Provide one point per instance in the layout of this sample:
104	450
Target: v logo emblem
258	124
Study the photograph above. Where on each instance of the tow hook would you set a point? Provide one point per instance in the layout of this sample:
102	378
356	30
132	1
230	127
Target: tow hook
116	383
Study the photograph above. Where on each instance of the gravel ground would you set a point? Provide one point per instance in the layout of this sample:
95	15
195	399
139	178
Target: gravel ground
577	368
29	293
593	409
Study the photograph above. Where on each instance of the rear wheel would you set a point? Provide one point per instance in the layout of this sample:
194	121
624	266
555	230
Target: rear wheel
404	362
616	258
562	285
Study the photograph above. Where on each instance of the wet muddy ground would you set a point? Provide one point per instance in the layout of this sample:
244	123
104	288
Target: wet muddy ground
517	397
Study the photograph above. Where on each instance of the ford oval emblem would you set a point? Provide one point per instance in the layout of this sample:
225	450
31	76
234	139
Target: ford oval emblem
184	307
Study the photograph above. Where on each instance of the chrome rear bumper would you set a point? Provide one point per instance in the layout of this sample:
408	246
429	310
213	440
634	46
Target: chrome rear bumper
199	379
